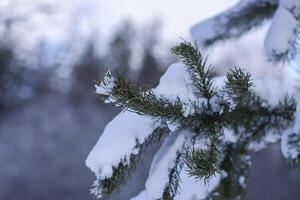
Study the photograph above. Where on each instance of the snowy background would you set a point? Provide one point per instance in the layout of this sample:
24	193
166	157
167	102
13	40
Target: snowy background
50	54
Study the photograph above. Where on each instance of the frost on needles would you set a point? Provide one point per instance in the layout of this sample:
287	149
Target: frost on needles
211	126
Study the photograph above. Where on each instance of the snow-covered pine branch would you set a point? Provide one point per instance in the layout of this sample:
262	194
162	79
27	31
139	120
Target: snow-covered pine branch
234	22
282	39
213	125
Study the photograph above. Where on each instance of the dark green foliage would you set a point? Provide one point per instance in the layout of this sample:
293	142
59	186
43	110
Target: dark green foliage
234	107
202	163
88	69
200	73
120	50
238	85
142	100
233	183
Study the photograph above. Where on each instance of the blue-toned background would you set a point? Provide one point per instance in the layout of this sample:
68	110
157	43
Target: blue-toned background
52	51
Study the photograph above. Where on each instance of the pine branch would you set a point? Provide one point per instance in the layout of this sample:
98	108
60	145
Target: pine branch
104	188
235	106
202	163
293	148
201	75
239	105
234	177
238	85
142	100
255	119
240	19
172	187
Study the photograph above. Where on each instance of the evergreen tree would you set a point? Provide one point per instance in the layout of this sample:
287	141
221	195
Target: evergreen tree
84	73
212	124
120	47
15	80
8	77
151	67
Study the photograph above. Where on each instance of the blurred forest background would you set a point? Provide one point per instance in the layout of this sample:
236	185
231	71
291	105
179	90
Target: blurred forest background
51	54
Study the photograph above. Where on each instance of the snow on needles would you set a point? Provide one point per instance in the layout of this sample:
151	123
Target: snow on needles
290	140
189	188
118	140
163	162
282	33
281	41
106	86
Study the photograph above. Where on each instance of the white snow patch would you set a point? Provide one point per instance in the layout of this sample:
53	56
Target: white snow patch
96	190
189	188
135	151
163	162
202	31
172	126
290	4
281	32
214	26
176	82
118	141
229	136
285	149
106	87
106	172
242	180
270	89
281	35
192	189
119	138
292	151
